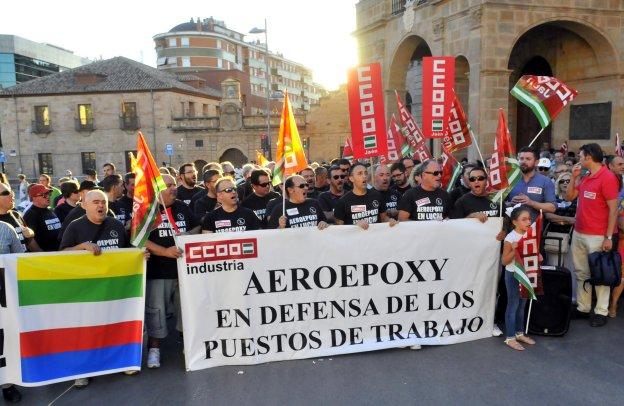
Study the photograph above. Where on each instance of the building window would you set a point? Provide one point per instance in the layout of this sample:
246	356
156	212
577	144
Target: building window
42	120
88	161
186	62
129	119
172	43
45	163
184	42
84	122
128	161
191	109
219	63
199	143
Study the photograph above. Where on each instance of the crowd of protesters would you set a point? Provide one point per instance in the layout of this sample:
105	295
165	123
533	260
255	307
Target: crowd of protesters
580	192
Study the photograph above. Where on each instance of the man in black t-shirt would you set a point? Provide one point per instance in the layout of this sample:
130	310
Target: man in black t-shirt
69	191
400	181
78	211
41	219
464	185
321	183
126	202
188	182
162	269
476	203
426	201
299	211
113	187
230	216
12	217
95	231
361	206
328	200
262	194
308	175
381	183
205	201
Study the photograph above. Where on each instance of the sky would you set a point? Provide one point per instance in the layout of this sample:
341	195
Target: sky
315	33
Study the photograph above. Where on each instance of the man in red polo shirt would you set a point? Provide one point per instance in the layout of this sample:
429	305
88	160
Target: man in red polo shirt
596	215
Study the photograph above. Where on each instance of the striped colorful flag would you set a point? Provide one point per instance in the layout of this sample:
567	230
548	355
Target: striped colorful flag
77	315
522	278
147	186
504	169
546	96
451	171
290	157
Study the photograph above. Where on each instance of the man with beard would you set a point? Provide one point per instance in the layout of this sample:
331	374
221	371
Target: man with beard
71	197
113	187
299	210
13	218
533	189
41	219
188	182
345	165
261	195
476	204
321	183
207	200
464	184
244	188
381	183
427	201
327	200
126	201
230	216
361	206
409	164
162	268
399	178
308	175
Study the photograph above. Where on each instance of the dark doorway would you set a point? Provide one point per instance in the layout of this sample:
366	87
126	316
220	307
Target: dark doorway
235	156
527	124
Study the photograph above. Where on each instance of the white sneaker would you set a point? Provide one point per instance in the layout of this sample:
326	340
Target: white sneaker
81	382
415	347
153	358
496	332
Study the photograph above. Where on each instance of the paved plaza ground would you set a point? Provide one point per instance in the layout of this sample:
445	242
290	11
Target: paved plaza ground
586	367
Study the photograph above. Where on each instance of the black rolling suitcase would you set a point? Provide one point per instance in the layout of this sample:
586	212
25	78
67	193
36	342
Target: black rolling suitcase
551	312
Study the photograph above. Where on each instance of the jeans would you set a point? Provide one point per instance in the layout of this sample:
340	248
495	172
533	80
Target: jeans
514	314
158	293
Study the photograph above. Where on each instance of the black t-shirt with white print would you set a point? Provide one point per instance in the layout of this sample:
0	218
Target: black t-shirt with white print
113	234
185	194
46	226
203	205
162	267
352	208
258	205
119	210
391	197
221	221
124	203
15	219
425	205
328	200
469	203
306	214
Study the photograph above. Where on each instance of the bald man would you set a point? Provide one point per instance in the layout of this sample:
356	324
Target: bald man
95	231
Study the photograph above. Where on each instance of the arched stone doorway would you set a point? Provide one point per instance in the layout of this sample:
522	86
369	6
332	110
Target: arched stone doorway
199	164
235	156
575	53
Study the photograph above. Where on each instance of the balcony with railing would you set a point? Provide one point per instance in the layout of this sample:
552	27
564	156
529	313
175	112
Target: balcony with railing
41	127
84	125
198	123
398	7
129	123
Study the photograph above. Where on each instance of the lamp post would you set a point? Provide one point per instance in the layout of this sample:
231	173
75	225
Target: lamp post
268	82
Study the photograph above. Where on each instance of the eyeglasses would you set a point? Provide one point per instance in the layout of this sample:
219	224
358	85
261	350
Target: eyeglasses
336	177
542	169
434	173
396	175
7	193
565	181
302	186
476	178
227	190
265	184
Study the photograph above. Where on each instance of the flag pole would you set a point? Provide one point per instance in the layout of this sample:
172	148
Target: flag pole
173	233
526	330
538	134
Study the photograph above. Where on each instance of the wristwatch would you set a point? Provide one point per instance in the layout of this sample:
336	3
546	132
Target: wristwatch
608	237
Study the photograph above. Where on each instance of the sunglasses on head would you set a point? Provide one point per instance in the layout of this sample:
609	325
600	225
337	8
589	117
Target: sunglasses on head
228	190
434	173
336	177
476	178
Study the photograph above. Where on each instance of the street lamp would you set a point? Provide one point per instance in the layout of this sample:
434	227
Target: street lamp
256	30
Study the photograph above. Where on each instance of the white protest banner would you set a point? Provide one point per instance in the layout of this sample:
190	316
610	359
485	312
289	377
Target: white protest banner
272	295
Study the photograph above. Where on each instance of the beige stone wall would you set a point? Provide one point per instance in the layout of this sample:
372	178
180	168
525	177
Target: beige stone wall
107	140
587	51
328	126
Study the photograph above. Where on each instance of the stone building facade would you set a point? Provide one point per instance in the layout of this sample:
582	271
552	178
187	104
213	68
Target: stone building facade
328	126
581	42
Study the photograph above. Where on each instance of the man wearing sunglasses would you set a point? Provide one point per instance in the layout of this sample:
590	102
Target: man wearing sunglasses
533	189
427	201
41	219
299	211
261	195
475	203
327	200
464	184
230	216
188	183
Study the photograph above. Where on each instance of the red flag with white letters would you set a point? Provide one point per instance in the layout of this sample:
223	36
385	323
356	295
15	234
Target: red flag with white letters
438	80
